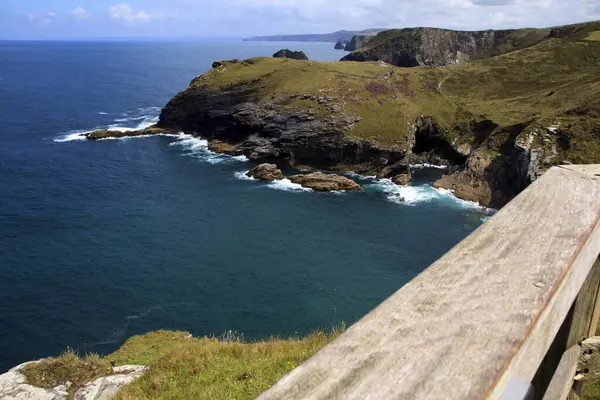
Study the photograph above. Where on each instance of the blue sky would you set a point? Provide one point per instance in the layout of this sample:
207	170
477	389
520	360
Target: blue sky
80	19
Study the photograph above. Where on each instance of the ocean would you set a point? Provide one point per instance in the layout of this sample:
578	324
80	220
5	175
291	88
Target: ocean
103	240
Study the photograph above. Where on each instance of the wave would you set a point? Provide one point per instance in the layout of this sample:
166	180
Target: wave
288	186
145	122
197	147
425	165
413	195
131	119
282	184
102	113
243	177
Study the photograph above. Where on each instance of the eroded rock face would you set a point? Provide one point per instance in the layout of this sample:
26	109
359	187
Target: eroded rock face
321	182
267	131
357	42
435	47
106	388
266	172
14	386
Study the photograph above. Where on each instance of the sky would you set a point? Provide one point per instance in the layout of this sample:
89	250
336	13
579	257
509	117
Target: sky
83	19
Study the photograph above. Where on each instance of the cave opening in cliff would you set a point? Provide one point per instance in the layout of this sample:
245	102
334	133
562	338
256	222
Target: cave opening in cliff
430	141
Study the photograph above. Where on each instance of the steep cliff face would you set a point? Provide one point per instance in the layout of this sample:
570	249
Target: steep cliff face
357	42
413	47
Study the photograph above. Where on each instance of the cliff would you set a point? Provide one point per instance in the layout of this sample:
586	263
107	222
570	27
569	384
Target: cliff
357	42
498	121
413	47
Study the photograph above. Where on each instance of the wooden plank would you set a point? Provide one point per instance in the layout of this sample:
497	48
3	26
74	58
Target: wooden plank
574	330
572	396
595	316
592	170
562	381
486	311
584	307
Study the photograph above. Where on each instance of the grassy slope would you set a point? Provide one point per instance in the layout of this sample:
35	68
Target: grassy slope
556	82
386	109
182	367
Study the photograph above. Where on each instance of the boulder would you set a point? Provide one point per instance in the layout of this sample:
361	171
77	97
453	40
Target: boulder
107	387
321	182
266	172
402	167
221	147
402	179
286	53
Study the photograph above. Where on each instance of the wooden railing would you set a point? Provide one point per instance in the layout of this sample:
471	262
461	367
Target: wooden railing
500	316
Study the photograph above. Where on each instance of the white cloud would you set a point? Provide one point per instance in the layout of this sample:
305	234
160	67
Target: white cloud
126	12
79	14
44	17
590	8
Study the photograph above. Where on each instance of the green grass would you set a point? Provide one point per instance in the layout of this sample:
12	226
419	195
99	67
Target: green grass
183	367
593	36
68	367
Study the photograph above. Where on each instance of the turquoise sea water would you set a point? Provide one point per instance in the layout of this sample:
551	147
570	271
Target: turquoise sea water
101	241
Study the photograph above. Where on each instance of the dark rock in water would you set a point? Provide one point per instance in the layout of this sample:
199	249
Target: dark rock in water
266	172
296	55
357	42
341	45
105	134
321	182
402	179
402	167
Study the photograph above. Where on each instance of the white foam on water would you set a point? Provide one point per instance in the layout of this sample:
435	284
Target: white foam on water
197	147
102	113
71	136
131	119
412	195
408	195
282	184
243	177
425	165
288	186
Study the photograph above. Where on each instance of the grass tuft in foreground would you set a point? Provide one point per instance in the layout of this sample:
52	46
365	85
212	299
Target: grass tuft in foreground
68	367
184	367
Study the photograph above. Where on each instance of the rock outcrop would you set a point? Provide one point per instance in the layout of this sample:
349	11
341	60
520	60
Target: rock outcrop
106	134
296	55
266	172
107	387
14	386
321	182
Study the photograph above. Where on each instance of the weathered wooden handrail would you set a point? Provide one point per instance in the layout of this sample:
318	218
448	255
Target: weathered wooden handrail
505	304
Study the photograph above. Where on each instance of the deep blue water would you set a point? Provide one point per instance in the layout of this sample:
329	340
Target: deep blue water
101	241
